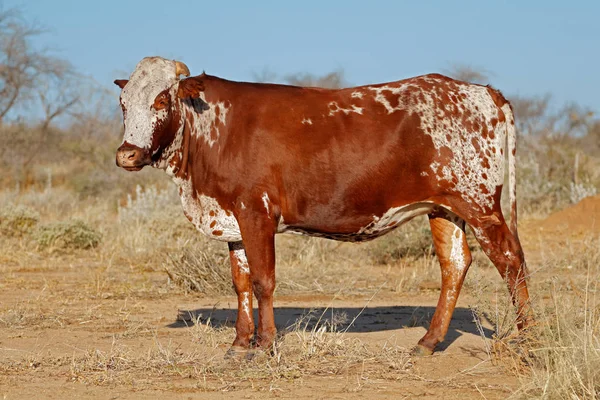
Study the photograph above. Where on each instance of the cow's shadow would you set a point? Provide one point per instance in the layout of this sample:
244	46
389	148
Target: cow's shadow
348	319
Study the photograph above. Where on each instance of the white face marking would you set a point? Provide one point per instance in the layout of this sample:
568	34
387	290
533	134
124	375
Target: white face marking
151	76
307	121
335	108
207	124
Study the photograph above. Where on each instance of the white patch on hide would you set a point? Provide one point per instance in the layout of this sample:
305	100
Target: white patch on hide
335	108
207	215
476	168
242	261
395	90
207	124
457	253
511	149
357	95
225	222
394	217
266	202
246	304
307	121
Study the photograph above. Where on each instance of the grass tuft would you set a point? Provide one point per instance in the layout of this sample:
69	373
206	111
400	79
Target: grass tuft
200	271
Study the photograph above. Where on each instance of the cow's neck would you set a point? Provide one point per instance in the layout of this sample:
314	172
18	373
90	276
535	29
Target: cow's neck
190	160
196	144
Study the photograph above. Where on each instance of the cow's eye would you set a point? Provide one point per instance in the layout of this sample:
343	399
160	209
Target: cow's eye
161	102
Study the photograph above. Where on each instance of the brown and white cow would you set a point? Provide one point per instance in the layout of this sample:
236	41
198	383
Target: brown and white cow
252	160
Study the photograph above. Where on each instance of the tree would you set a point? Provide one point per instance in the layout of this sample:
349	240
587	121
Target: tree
468	73
332	80
31	76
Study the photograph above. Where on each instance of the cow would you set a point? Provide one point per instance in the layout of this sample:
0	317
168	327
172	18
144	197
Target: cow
252	160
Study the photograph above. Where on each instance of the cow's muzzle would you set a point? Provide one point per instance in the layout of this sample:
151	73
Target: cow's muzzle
132	158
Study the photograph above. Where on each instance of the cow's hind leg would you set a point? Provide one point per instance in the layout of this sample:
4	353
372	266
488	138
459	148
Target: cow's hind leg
244	325
451	247
506	253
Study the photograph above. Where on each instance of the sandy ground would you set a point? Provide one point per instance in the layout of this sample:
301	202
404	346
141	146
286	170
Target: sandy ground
60	318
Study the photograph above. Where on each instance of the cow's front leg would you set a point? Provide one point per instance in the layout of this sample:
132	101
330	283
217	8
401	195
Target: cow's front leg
258	234
240	273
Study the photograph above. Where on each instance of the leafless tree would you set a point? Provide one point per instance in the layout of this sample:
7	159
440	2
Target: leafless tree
31	77
332	80
469	73
266	75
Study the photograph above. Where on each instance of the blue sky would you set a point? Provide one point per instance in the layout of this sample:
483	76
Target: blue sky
530	47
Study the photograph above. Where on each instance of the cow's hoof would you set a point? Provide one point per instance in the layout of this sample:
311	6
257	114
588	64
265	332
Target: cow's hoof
237	353
421	351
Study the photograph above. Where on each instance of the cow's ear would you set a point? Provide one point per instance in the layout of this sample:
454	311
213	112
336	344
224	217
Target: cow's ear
121	82
190	87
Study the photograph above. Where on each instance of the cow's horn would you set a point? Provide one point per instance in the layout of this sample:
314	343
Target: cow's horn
181	69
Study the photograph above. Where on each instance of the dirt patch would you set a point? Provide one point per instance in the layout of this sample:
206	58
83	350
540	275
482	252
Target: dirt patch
108	322
582	218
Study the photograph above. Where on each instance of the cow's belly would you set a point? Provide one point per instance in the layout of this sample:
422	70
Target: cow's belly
380	225
219	224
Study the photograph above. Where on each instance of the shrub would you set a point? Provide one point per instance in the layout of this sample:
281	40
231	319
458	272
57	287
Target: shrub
200	271
74	234
17	220
150	203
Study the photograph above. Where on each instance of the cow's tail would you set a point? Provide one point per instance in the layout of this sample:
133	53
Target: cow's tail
511	145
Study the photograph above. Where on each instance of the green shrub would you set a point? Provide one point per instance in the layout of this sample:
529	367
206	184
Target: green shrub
17	220
74	234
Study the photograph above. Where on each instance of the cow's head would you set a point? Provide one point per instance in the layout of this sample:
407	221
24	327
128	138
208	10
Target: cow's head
151	111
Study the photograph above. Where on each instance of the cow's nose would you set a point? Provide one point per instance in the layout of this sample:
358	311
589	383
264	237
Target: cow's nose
129	154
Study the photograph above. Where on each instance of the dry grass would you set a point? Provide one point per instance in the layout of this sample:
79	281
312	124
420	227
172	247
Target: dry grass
307	348
559	357
201	271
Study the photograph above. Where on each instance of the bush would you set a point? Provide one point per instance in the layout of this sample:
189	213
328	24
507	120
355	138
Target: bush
206	272
17	220
74	234
149	204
